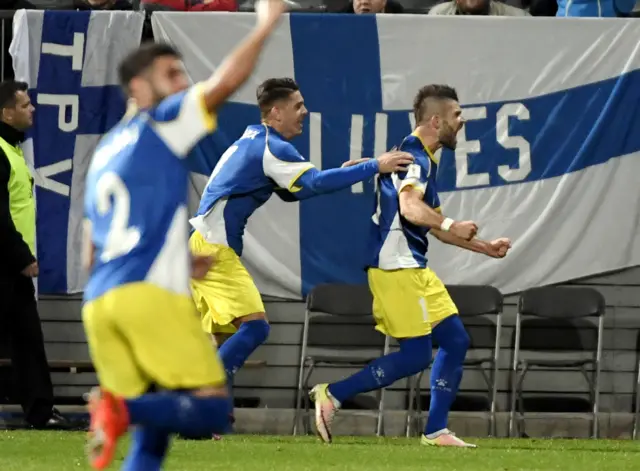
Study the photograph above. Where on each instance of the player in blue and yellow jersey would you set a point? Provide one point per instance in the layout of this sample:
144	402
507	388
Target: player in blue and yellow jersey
156	368
261	162
409	300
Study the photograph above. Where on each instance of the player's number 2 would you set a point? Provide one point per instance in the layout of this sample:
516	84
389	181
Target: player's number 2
121	238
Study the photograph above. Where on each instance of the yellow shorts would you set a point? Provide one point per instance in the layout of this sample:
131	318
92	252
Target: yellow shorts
140	334
407	302
227	292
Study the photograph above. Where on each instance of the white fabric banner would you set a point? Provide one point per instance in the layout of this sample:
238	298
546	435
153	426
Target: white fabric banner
69	59
550	156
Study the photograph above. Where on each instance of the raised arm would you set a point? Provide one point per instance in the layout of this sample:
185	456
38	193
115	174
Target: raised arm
239	65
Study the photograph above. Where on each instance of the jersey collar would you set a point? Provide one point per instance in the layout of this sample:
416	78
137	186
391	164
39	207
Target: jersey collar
426	148
11	134
272	130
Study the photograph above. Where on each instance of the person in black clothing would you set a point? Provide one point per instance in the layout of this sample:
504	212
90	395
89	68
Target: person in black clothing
19	315
373	6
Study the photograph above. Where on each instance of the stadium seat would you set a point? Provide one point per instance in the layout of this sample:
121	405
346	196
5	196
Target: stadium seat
477	306
562	315
338	332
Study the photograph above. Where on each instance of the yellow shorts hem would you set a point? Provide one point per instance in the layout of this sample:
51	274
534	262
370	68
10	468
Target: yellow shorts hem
141	334
227	292
408	302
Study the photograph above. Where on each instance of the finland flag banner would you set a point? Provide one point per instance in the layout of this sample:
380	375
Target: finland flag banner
69	59
550	156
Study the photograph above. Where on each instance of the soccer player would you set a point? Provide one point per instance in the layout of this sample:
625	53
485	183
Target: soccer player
258	164
409	299
156	368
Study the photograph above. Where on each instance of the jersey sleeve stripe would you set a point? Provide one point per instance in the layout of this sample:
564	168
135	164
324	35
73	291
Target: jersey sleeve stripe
191	123
208	118
292	184
413	183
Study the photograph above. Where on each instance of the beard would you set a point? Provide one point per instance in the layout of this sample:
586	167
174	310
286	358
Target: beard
448	137
449	143
157	94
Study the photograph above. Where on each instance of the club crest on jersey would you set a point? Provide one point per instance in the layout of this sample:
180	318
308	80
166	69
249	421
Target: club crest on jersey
250	134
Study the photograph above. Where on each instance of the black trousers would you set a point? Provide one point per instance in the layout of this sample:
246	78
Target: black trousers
20	323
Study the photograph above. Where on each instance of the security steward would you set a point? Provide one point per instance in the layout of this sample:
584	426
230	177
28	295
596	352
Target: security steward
19	320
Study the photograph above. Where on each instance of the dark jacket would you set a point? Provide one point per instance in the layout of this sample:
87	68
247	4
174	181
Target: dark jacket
15	255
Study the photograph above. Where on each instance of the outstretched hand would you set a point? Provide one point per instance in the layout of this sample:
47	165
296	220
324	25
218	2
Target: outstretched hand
394	161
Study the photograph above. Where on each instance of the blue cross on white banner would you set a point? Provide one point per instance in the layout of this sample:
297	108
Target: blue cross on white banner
69	59
550	156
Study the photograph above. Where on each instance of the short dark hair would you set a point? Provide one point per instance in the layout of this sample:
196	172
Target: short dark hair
8	90
272	90
429	94
138	61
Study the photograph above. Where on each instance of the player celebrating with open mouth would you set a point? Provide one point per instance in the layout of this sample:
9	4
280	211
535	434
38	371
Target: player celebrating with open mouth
260	163
410	302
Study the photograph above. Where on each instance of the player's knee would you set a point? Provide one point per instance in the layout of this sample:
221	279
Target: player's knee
463	341
452	337
210	413
259	330
460	339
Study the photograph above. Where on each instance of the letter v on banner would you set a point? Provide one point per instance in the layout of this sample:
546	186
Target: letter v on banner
57	100
77	100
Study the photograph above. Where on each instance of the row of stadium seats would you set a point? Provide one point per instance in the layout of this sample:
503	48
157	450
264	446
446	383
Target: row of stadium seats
567	322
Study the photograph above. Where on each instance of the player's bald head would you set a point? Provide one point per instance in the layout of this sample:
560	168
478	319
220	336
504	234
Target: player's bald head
431	100
274	90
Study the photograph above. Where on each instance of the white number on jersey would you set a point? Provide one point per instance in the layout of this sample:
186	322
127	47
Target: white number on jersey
227	154
121	238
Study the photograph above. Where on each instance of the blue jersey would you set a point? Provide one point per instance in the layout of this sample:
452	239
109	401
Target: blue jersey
395	242
246	176
136	196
